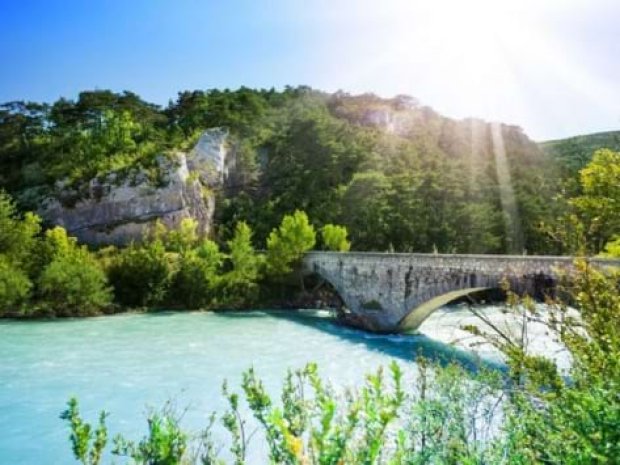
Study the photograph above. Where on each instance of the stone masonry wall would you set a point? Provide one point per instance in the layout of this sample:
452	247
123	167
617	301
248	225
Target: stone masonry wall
382	290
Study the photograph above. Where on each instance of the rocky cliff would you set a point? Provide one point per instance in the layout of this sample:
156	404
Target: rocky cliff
118	209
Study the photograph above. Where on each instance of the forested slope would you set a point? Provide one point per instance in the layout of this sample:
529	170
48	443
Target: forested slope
573	153
399	175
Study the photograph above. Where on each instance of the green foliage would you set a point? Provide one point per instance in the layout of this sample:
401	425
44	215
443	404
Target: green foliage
378	423
184	238
335	238
449	421
74	285
287	244
398	175
18	235
592	219
165	444
612	248
573	418
197	279
14	287
599	205
431	186
87	445
309	426
575	153
141	274
52	276
240	284
366	210
235	424
75	141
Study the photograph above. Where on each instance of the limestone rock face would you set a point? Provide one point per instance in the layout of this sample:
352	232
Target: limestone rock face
210	157
390	120
118	211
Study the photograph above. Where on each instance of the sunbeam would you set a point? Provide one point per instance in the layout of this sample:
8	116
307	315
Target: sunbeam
497	60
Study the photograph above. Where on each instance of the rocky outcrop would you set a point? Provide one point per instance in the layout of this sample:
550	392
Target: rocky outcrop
210	158
119	209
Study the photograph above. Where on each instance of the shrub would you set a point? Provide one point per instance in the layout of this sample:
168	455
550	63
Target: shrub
287	243
14	287
165	443
72	282
184	238
18	235
612	248
335	238
141	274
377	423
196	281
87	445
240	284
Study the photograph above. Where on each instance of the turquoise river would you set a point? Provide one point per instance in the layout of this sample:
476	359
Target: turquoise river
128	363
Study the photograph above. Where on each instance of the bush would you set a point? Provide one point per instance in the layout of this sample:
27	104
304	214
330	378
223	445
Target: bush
72	283
377	423
74	286
182	239
14	288
165	444
18	235
335	238
141	274
612	248
240	284
288	243
196	282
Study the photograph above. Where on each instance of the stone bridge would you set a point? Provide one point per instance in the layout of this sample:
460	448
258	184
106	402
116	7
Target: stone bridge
388	292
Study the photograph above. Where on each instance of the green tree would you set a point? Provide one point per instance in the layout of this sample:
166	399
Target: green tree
287	244
18	235
598	207
73	282
612	248
14	288
366	210
240	284
184	237
196	282
19	244
335	238
141	274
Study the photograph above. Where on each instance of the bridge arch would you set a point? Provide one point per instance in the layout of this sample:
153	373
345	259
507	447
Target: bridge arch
422	304
418	314
387	292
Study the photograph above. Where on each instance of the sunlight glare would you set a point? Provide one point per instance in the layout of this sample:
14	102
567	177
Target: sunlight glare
481	58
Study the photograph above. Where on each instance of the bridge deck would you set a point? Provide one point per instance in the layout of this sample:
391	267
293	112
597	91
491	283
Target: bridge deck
561	258
385	291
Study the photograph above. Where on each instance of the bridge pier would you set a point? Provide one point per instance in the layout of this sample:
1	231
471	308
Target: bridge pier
388	293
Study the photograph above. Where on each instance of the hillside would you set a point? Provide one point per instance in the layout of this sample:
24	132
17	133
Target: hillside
575	152
399	175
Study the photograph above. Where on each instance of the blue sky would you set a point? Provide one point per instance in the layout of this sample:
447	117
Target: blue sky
550	66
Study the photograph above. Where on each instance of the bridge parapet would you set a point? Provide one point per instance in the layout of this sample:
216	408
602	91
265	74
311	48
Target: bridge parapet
385	292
